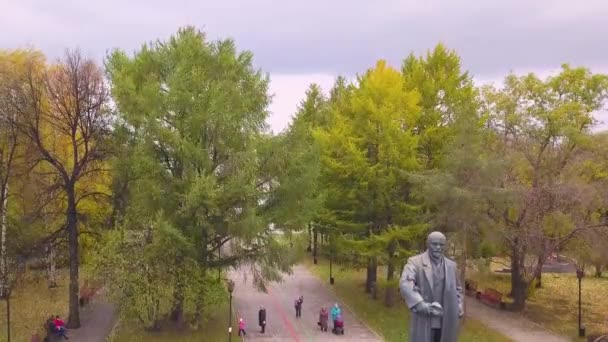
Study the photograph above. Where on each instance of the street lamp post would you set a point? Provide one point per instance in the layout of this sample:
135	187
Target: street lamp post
331	258
331	277
230	289
580	273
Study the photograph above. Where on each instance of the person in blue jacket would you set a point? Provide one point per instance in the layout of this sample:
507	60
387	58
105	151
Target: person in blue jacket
335	312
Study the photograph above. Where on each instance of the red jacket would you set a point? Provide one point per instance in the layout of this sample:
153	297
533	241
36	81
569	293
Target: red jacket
58	323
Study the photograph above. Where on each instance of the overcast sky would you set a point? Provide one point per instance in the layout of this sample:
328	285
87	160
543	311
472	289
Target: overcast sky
300	42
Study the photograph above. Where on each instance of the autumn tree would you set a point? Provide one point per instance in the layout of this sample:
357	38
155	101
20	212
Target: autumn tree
590	168
9	140
450	129
539	126
25	196
368	151
64	112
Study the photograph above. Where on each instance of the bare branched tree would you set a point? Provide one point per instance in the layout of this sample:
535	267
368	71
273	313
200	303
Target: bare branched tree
64	111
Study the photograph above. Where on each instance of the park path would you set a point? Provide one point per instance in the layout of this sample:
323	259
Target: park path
281	322
511	324
97	320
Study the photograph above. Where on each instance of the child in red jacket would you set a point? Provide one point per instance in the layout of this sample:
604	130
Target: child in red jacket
242	327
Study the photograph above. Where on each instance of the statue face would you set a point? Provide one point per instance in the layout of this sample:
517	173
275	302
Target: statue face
436	244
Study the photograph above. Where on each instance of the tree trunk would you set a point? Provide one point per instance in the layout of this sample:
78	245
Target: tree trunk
518	284
389	294
72	227
309	248
372	272
539	280
3	254
315	237
463	264
177	314
463	256
197	321
539	271
598	270
51	274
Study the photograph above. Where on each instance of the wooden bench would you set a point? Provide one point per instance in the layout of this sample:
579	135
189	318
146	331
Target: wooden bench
493	298
470	288
597	338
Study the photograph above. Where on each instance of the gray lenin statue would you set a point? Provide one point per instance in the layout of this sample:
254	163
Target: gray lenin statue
431	289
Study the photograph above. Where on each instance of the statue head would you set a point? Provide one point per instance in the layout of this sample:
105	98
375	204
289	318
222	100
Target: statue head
436	244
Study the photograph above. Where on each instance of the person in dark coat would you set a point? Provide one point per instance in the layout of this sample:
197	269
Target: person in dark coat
298	305
262	318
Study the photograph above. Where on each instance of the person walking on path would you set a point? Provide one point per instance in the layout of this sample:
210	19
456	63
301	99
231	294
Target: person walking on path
335	312
242	331
298	305
323	318
262	318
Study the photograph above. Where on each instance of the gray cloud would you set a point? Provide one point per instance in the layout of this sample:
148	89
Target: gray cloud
333	37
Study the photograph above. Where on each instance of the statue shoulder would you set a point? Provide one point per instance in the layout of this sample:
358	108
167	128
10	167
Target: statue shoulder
415	259
449	262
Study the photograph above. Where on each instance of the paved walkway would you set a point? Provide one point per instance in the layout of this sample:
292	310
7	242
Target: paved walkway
99	317
97	321
511	324
282	324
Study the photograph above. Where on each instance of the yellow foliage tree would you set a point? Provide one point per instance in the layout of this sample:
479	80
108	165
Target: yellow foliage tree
63	112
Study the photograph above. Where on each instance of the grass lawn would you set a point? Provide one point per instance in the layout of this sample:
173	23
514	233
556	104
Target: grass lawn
215	329
555	306
391	323
32	303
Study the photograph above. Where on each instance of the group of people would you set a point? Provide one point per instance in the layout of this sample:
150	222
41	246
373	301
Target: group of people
55	326
336	317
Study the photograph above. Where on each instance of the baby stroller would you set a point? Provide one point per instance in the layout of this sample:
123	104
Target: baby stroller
338	326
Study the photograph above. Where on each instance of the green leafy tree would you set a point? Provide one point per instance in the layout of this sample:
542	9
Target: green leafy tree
446	93
191	126
458	169
296	165
142	285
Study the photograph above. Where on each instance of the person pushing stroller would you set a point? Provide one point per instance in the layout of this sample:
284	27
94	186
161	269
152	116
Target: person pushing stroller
336	317
338	325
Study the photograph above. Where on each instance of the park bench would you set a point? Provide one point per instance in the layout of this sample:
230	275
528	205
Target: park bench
492	297
597	338
470	288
